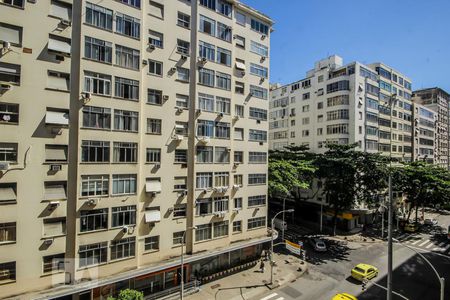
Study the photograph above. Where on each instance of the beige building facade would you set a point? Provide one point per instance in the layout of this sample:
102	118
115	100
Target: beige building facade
126	126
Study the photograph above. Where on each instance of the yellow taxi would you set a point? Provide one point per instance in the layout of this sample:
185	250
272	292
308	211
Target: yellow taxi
364	271
344	296
411	227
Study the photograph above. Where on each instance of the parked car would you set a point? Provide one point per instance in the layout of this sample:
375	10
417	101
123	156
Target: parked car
411	227
364	271
344	296
431	222
318	244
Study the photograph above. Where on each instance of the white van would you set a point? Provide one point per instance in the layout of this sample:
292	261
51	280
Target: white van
280	224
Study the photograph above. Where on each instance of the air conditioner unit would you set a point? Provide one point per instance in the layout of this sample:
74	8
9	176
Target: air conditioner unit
236	186
4	166
204	191
66	23
263	58
152	194
54	203
48	242
205	139
157	165
55	168
144	62
219	214
5	86
258	121
236	117
86	96
263	36
6	45
183	57
125	229
151	47
242	73
262	79
92	202
165	97
173	69
180	110
198	111
261	143
59	58
236	164
182	193
178	137
202	60
220	115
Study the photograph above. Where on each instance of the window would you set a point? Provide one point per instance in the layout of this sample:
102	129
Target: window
240	18
203	232
341	114
93	254
222	130
127	57
206	102
123	248
124	184
155	67
257	135
179	210
223	81
337	129
238	134
220	229
97	49
256	223
58	81
156	39
239	110
128	25
94	185
9	113
258	114
258	92
7	272
99	16
94	219
306	96
125	152
180	183
182	101
239	87
238	157
59	45
258	70
54	227
259	49
94	151
53	263
238	180
11	34
207	25
96	117
17	3
151	243
238	203
8	193
126	120
178	238
10	73
183	74
240	41
96	83
55	190
338	100
211	4
222	155
123	216
205	128
181	156
343	85
223	32
204	180
206	77
154	126
154	97
207	51
256	179
7	232
203	207
257	157
305	133
223	56
256	200
153	155
127	88
220	204
237	226
156	10
183	47
184	20
56	153
224	8
205	154
260	27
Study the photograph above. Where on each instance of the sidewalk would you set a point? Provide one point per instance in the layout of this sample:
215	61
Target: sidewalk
251	283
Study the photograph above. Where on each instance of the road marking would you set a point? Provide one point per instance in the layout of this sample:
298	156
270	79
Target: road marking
402	236
281	298
429	246
420	245
270	296
446	248
413	243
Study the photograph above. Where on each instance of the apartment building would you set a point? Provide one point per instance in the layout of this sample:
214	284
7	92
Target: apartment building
125	127
438	100
338	103
425	139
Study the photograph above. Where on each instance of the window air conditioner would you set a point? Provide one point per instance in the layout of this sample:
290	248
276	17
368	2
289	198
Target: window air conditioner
263	36
92	202
183	57
4	166
5	86
165	97
205	139
179	110
125	229
236	186
66	23
55	168
48	242
220	115
178	137
236	117
151	47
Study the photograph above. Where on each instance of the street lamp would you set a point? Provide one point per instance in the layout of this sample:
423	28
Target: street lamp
182	260
441	279
271	241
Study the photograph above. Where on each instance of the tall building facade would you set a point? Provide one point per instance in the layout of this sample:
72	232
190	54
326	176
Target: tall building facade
438	100
126	126
425	141
354	103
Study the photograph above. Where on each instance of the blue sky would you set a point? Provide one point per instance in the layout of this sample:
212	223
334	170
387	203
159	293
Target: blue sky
412	36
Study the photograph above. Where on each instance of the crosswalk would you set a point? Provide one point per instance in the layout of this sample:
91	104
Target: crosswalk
272	297
425	243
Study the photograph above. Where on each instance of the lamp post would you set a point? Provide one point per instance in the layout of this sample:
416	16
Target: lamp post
271	242
182	260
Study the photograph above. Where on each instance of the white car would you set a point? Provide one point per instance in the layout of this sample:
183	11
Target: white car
432	222
318	244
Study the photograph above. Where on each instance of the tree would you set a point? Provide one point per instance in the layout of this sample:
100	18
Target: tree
349	177
128	294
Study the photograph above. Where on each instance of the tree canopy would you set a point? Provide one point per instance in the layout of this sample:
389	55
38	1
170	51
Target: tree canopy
128	294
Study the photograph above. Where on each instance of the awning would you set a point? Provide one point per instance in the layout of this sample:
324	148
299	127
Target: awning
153	185
55	192
152	216
57	118
59	46
5	70
240	66
61	11
10	34
179	126
56	154
7	194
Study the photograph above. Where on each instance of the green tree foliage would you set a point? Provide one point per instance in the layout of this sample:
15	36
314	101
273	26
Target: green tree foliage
423	184
128	294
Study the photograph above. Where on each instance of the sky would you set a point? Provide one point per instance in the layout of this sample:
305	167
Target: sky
411	36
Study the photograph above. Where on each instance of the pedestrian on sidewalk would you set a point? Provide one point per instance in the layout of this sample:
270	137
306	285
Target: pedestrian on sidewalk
261	266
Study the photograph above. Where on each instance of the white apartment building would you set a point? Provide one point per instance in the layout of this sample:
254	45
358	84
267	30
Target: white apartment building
425	141
438	100
126	125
